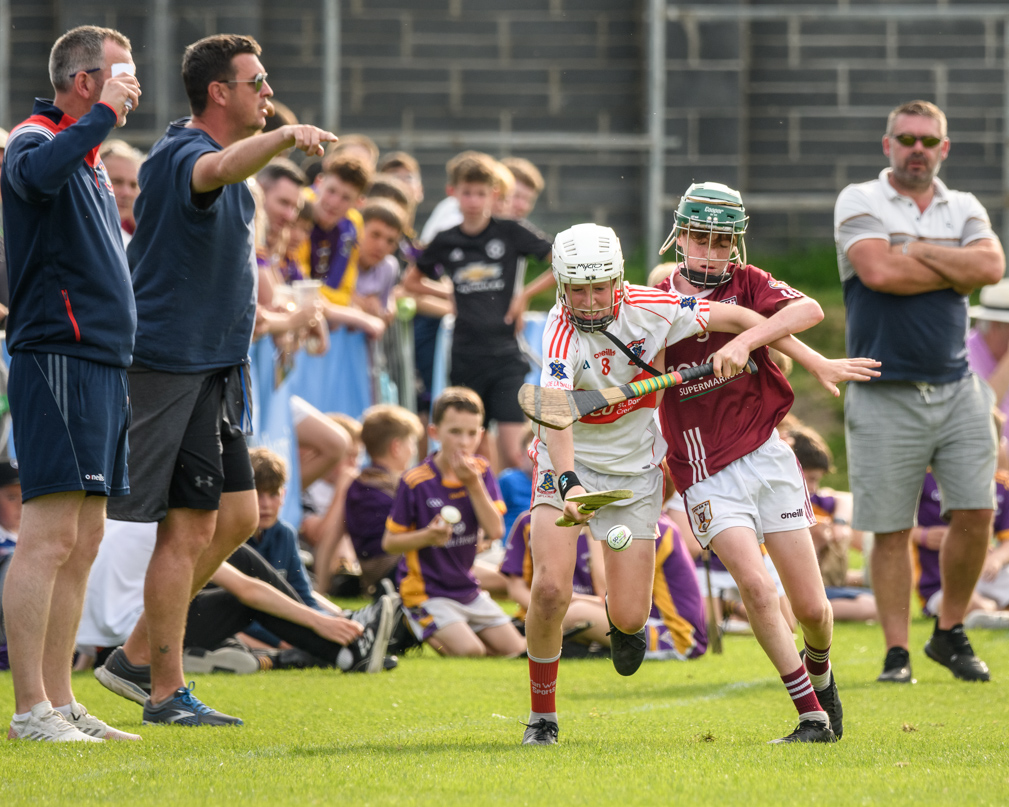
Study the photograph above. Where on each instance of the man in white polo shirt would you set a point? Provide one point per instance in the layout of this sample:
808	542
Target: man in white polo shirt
909	251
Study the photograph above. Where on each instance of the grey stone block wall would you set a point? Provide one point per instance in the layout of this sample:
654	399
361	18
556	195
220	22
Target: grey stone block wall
776	107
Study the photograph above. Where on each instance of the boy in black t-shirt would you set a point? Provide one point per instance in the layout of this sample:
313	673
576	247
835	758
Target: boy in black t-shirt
485	259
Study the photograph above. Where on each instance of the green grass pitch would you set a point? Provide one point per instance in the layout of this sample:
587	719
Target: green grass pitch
447	731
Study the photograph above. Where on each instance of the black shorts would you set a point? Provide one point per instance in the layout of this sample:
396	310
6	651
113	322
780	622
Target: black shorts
497	382
187	444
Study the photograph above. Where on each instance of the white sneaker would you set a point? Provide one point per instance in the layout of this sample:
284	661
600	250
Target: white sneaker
987	620
93	727
45	723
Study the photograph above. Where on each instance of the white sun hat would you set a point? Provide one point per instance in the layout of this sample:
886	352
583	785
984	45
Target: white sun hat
994	303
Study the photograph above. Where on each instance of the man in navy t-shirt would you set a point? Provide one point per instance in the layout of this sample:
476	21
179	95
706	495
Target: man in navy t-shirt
70	333
194	276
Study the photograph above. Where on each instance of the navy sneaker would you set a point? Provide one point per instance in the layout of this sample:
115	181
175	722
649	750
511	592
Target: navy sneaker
952	650
542	732
809	731
131	681
626	649
185	709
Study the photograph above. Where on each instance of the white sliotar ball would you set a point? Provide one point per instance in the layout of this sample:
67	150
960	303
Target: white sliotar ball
619	537
451	514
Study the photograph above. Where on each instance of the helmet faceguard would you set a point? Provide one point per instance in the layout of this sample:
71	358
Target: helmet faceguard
709	213
588	255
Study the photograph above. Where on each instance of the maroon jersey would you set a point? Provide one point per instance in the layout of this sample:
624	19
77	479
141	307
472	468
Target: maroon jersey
712	422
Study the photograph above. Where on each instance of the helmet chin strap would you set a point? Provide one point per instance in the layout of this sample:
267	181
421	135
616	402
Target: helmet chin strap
704	280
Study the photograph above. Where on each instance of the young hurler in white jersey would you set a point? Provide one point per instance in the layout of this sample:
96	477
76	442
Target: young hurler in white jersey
617	448
741	484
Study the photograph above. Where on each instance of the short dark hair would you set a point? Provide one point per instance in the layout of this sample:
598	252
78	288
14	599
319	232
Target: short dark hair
399	159
386	212
280	168
390	186
462	398
349	169
811	450
80	48
209	60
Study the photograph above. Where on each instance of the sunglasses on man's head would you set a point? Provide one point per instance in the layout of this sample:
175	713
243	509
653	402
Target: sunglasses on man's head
927	141
257	81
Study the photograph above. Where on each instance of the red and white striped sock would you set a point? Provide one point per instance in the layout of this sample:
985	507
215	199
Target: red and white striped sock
801	690
543	685
818	666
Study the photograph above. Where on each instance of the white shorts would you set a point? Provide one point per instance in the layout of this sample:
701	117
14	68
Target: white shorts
640	513
724	586
763	491
436	613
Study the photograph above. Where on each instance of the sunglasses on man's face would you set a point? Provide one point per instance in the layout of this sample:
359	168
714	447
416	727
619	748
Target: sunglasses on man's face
927	141
256	81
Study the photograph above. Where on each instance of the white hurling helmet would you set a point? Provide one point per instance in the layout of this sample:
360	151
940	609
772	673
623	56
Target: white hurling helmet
588	254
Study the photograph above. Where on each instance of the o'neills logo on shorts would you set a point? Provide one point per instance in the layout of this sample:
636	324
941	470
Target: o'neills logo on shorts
794	514
94	477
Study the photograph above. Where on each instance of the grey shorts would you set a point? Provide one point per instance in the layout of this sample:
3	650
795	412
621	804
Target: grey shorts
895	431
640	513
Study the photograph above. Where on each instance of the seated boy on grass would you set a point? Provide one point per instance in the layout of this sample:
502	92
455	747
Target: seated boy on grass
445	604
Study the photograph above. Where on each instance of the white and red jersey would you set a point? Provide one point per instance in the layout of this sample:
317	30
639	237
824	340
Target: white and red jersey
711	422
625	438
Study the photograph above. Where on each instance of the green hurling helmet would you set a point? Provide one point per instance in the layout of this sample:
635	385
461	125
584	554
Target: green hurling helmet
709	210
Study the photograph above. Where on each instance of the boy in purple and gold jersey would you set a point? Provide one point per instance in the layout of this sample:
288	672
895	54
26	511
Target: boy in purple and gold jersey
676	626
445	604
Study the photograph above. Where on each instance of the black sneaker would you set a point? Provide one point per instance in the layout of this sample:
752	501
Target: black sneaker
831	703
626	649
128	680
829	700
952	649
390	663
897	667
809	731
542	732
185	709
369	649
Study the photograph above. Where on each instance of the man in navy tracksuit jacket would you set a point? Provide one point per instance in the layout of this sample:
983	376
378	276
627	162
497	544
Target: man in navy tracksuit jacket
70	333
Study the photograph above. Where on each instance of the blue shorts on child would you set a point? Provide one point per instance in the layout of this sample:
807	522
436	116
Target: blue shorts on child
70	419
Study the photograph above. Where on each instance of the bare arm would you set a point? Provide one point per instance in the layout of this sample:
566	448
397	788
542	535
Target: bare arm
487	514
417	283
242	159
980	263
520	302
264	597
561	448
346	316
884	269
437	533
756	330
